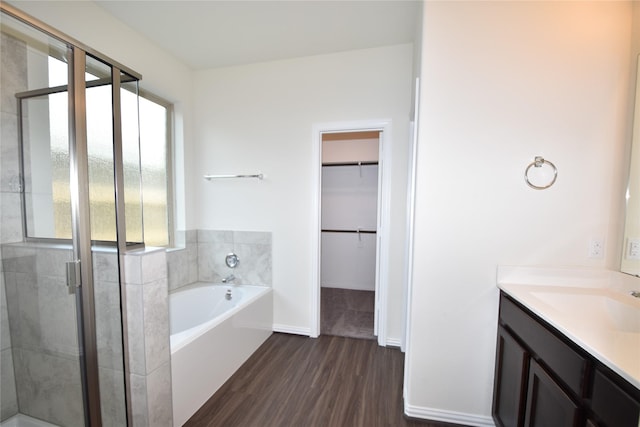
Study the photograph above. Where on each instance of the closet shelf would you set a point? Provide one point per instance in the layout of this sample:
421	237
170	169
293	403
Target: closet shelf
349	231
367	163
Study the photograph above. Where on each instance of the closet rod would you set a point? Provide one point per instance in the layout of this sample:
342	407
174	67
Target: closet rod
350	231
351	163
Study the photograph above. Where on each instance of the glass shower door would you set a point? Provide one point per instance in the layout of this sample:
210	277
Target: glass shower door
62	357
40	353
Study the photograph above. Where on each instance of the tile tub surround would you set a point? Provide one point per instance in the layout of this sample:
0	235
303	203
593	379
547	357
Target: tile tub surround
182	261
617	349
202	257
252	247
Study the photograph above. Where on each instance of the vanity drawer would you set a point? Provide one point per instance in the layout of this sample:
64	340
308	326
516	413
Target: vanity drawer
566	364
612	405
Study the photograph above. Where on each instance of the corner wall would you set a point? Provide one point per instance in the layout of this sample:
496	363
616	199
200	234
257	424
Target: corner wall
503	82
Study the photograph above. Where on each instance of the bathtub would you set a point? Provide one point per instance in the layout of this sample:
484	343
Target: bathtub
214	329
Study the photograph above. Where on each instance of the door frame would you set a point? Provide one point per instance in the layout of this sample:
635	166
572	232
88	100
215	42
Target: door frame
383	215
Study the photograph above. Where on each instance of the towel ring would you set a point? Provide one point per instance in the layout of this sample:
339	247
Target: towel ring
538	162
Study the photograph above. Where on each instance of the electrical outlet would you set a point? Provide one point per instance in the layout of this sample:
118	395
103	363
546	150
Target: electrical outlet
633	248
596	248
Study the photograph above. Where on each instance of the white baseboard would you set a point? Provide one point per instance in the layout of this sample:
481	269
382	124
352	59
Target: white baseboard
393	342
448	416
288	329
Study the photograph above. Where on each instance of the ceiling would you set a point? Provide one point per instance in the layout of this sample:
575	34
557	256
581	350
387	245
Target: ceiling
213	33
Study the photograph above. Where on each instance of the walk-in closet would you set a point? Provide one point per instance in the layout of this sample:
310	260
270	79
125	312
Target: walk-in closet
348	239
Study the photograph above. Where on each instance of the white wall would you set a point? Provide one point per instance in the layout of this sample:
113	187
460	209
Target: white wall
349	150
162	74
632	225
503	82
260	117
349	202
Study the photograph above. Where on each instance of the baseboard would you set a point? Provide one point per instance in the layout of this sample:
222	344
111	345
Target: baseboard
288	329
447	416
393	342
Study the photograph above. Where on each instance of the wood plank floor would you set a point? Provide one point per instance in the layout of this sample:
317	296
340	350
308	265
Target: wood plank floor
295	381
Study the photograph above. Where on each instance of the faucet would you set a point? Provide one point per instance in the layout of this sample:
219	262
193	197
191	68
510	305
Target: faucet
230	278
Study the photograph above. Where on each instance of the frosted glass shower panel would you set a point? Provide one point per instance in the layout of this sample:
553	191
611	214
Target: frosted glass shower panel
44	130
45	138
131	158
100	150
100	146
153	148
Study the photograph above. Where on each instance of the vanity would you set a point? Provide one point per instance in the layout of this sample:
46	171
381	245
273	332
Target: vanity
568	349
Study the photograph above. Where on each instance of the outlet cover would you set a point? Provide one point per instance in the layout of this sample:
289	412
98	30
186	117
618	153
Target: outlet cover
633	248
596	248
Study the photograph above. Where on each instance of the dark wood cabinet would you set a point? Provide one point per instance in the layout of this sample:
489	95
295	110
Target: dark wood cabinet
544	379
547	404
508	393
610	403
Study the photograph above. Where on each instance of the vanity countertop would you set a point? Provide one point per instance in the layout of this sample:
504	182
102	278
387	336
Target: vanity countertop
593	308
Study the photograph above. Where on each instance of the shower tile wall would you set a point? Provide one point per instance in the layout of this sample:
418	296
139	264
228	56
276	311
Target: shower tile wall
109	336
39	335
8	400
42	324
13	78
148	329
202	258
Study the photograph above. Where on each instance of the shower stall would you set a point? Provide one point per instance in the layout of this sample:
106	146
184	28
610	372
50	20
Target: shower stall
70	209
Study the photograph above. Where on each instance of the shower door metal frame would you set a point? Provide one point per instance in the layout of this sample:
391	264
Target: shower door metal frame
80	207
81	237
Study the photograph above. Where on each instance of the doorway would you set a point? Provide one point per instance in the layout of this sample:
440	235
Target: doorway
349	200
350	239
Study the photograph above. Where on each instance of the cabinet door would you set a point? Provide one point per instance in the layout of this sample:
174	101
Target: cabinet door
547	404
510	385
611	404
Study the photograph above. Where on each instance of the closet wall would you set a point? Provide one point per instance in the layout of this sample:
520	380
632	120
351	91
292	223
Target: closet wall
349	204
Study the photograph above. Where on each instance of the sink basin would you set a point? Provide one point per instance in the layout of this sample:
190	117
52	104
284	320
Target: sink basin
599	310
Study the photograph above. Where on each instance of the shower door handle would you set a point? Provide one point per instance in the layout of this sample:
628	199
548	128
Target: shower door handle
73	276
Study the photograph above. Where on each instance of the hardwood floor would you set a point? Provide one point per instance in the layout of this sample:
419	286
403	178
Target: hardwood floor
295	381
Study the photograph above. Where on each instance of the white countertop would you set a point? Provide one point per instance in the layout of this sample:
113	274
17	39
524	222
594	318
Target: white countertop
593	308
